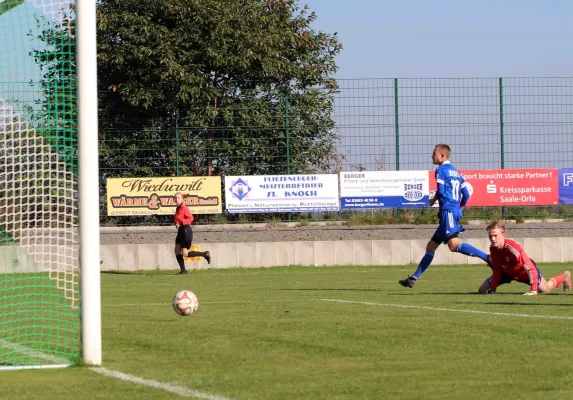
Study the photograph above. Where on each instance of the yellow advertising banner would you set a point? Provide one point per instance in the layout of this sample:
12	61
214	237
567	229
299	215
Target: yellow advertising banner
155	196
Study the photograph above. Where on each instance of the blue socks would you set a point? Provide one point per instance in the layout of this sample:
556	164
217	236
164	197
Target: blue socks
424	264
471	251
463	248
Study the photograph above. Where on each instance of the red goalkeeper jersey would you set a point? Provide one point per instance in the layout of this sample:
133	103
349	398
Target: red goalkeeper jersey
513	261
183	216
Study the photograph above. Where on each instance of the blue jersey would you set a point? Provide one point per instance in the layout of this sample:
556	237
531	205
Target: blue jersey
452	191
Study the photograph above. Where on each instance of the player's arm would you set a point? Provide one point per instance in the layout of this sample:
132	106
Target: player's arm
434	199
188	216
465	194
441	187
177	217
531	270
496	277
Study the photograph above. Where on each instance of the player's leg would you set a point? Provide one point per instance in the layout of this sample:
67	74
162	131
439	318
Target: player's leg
428	257
185	238
486	284
180	260
424	262
188	241
453	230
547	286
567	282
455	245
205	254
438	238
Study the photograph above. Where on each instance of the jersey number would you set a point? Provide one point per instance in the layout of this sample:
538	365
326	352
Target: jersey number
455	190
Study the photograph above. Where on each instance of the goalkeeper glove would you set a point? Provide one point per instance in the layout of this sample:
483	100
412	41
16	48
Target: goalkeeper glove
531	293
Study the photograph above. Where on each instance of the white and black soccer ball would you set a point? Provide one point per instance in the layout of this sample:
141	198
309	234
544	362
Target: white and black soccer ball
185	302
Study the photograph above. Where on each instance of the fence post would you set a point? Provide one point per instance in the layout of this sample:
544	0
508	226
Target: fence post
177	147
501	126
501	135
397	124
397	131
287	133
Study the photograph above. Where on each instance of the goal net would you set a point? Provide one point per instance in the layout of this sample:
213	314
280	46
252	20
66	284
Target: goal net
39	278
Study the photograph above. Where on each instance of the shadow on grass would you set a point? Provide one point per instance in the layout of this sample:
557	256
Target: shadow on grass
118	272
141	272
333	289
519	303
405	293
434	293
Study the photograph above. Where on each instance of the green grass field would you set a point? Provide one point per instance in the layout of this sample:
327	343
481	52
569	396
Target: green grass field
322	333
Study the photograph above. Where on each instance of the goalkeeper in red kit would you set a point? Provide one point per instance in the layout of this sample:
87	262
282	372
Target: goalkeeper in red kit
511	263
183	220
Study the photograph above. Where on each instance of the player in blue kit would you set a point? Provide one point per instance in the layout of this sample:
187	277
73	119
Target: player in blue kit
452	195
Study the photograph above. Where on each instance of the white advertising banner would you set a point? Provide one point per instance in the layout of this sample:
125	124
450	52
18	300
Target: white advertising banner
384	189
281	193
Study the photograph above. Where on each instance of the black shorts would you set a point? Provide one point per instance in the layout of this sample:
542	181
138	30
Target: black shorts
184	236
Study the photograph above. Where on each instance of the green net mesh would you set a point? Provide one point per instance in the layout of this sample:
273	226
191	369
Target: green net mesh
39	285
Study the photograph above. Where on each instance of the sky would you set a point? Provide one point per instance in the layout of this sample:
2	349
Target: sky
446	38
16	66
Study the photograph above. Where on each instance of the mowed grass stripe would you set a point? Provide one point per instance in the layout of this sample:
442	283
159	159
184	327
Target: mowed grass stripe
441	309
405	306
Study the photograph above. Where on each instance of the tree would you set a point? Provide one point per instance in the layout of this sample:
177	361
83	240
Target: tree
55	114
36	191
250	83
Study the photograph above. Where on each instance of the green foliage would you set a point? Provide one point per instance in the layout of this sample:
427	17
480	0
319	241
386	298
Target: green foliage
54	116
232	74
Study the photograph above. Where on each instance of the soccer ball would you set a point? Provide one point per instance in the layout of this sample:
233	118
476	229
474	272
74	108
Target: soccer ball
185	302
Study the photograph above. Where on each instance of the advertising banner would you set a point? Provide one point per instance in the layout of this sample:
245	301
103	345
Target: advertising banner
509	187
281	193
155	196
565	180
384	189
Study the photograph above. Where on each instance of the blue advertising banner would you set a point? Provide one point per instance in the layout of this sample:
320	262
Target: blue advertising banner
565	180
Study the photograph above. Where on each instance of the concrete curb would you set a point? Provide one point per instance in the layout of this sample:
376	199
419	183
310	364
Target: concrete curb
263	226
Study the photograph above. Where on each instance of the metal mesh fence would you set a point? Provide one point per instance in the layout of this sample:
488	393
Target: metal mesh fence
490	123
372	124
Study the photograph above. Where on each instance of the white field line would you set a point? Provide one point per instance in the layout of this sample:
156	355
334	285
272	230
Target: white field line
23	367
33	353
502	314
62	362
178	390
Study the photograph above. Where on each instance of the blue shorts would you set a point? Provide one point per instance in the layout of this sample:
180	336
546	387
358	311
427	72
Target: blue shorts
505	278
449	226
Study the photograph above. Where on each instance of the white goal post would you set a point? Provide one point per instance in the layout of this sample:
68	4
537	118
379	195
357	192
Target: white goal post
50	295
88	182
